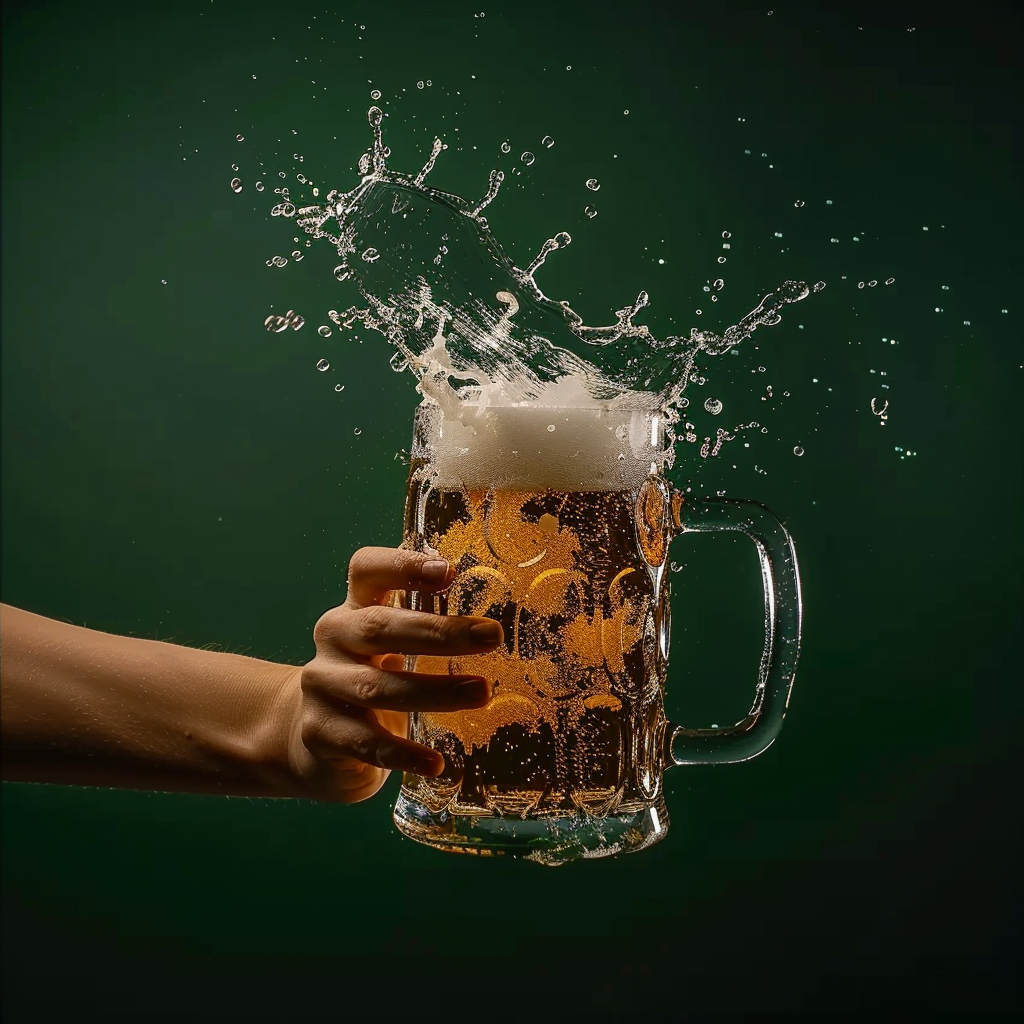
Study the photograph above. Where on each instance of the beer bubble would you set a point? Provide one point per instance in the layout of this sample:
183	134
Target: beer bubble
323	364
547	142
370	255
593	184
527	158
236	184
325	332
713	406
339	387
506	148
590	211
798	450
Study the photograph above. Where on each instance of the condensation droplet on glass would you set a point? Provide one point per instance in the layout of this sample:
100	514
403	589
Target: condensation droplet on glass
323	364
527	158
325	332
236	184
798	450
713	406
593	184
547	142
370	255
622	431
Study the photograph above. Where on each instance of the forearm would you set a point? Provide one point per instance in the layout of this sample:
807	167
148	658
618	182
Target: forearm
91	708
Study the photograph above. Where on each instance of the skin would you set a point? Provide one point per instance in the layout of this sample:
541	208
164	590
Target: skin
89	708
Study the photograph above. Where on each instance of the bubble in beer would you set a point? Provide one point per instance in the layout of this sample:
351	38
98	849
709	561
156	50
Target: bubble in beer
323	364
375	94
593	184
713	406
798	450
547	142
236	184
527	158
590	211
324	331
370	255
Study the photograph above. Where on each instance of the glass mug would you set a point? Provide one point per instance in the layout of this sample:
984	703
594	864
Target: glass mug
558	523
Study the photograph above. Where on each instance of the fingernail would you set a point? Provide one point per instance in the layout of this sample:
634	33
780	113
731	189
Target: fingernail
434	571
427	766
474	690
489	633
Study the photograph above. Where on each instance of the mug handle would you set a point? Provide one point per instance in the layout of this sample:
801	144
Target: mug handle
782	614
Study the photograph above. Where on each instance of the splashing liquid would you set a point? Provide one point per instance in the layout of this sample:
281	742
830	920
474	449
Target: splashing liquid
478	327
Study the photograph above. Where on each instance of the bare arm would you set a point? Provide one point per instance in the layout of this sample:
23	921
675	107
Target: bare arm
91	708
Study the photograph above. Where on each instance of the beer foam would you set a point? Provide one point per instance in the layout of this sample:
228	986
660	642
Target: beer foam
535	447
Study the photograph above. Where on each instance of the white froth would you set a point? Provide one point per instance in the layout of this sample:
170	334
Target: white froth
532	447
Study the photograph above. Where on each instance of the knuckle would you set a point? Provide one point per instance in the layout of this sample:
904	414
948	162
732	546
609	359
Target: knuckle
375	625
366	687
361	561
327	626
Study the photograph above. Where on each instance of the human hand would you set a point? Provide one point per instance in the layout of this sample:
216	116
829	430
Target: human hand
350	725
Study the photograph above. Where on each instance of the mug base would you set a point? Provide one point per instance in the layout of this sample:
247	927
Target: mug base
551	841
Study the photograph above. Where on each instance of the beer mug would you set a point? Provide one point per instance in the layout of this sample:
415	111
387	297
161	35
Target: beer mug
558	523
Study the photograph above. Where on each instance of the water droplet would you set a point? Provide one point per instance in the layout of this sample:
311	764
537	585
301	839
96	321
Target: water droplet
339	387
721	259
240	138
562	239
713	406
374	115
551	428
279	261
799	203
890	280
297	255
323	364
341	272
236	184
622	431
259	186
371	255
429	83
727	234
798	450
593	184
163	280
505	147
325	332
547	142
357	431
398	362
718	285
234	167
590	211
419	85
527	158
375	94
819	286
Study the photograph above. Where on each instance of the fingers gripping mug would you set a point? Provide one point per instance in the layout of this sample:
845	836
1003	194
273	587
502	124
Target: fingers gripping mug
559	522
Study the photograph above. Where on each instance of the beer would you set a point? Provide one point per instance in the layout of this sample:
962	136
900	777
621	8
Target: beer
573	730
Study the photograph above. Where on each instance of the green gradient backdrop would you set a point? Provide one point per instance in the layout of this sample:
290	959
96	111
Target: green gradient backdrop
172	470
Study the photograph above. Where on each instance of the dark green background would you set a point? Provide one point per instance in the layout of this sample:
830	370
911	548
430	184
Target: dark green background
172	470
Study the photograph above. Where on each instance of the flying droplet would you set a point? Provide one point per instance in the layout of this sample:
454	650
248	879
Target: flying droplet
527	158
371	255
339	387
325	332
357	431
798	450
799	203
591	211
713	406
593	184
562	239
727	234
398	362
505	147
375	115
323	364
721	259
718	285
259	186
419	85
236	184
341	272
240	138
551	428
297	255
375	94
234	167
279	261
547	142
163	280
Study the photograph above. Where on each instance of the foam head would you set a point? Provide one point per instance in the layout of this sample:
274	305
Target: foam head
535	447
